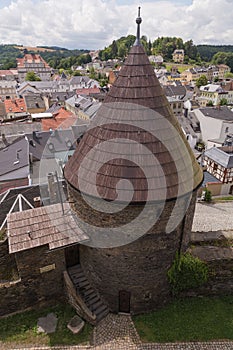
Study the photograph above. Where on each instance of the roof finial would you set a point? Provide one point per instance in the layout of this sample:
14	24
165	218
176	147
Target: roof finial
138	21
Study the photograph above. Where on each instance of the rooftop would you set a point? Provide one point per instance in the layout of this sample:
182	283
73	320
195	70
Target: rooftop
136	121
222	156
221	112
14	156
43	226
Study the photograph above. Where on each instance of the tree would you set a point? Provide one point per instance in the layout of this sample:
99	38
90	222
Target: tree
223	101
31	76
114	48
228	75
122	51
202	81
209	103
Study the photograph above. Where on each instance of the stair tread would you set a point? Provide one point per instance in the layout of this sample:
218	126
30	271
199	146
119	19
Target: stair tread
93	300
87	293
96	305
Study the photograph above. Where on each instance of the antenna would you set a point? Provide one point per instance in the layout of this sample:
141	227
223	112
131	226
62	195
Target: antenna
138	21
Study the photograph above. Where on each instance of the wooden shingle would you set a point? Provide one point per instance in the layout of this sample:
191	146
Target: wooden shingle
135	111
44	225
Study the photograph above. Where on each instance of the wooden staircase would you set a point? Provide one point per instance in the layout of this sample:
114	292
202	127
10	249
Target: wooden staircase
90	297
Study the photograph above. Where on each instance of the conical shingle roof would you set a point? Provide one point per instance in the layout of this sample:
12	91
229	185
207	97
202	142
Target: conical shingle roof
134	149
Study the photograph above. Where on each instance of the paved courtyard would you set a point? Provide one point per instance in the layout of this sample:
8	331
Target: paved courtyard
213	217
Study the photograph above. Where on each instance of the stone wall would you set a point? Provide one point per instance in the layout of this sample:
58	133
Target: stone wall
41	280
8	268
215	248
139	267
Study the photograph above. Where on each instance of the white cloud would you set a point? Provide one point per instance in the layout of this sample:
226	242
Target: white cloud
95	23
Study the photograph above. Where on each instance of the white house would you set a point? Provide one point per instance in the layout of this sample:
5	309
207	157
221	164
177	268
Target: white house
215	124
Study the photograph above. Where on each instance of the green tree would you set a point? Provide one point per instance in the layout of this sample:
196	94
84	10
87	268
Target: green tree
223	101
31	76
202	81
122	50
187	272
228	75
114	48
209	103
208	196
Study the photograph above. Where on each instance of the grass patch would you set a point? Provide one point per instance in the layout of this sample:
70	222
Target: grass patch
225	198
22	328
181	67
193	319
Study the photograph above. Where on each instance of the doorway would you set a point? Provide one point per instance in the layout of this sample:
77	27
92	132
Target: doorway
231	190
72	255
124	301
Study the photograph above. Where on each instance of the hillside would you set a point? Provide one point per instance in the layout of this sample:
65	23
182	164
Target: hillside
55	56
34	49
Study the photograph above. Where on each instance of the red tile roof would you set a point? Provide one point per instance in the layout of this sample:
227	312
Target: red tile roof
62	119
88	91
6	72
30	58
15	105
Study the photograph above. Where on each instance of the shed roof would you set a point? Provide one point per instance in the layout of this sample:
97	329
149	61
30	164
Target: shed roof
144	142
40	226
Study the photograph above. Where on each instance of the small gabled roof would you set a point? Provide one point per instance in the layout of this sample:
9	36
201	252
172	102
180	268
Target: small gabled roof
43	226
14	156
173	91
61	119
8	200
45	144
221	113
222	156
16	105
34	101
211	88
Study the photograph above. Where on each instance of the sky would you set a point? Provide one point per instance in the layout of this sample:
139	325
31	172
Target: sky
94	24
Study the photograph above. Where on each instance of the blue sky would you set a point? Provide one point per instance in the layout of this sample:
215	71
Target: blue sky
93	24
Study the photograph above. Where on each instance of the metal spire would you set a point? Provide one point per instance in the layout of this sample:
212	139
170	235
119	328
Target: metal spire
138	21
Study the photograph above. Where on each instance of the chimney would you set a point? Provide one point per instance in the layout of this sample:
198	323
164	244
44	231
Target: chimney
52	188
37	202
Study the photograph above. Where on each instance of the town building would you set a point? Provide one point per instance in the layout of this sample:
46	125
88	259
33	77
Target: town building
215	124
219	162
8	89
33	63
178	56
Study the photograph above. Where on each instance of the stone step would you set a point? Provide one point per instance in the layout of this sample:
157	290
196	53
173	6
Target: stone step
87	293
97	304
91	301
101	313
78	275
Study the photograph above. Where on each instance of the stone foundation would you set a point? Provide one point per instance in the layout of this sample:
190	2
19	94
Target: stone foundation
40	280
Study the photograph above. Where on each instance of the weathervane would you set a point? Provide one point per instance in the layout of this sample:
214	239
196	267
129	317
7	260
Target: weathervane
138	21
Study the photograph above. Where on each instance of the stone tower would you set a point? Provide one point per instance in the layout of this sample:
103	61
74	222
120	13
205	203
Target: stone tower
132	183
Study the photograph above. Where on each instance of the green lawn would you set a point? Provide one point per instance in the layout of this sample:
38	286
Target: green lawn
193	319
224	198
22	328
181	67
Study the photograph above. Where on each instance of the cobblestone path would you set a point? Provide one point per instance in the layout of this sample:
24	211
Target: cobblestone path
117	332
